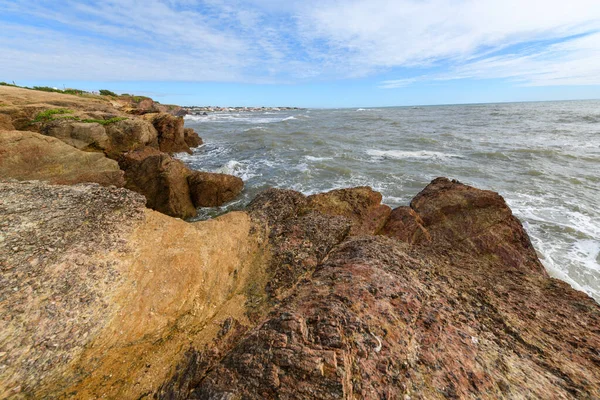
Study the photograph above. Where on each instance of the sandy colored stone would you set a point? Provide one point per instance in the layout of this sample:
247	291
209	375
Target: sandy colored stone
192	139
171	135
102	297
28	155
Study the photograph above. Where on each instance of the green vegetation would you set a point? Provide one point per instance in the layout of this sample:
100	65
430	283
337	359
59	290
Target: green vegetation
104	121
105	92
48	115
137	99
59	114
7	84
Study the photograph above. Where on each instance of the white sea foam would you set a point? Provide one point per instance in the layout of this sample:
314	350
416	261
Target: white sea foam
239	169
288	118
420	154
311	158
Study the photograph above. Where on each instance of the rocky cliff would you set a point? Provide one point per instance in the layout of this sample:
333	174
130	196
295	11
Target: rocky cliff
68	139
331	296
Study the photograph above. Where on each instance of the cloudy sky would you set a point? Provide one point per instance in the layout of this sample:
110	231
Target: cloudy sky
325	53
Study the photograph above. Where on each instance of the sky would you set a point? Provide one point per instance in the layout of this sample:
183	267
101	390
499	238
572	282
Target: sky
308	53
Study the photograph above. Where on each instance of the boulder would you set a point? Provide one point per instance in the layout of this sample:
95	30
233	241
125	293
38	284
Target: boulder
171	135
130	134
83	136
161	179
471	220
191	137
361	204
102	297
212	190
28	156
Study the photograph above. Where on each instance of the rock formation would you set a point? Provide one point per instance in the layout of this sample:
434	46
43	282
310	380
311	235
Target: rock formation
29	155
212	189
109	127
298	297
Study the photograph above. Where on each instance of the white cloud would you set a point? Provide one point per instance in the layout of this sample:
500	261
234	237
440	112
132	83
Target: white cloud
269	41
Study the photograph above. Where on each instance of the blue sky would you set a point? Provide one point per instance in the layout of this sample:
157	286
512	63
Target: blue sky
325	53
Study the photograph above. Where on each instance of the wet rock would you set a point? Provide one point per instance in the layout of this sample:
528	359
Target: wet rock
212	190
161	179
28	155
191	137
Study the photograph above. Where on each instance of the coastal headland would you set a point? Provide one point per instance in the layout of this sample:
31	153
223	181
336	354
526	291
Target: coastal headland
106	292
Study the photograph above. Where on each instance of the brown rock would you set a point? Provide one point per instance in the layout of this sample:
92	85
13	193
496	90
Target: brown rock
191	137
212	190
362	205
130	134
161	179
6	123
31	156
406	225
474	220
380	319
83	136
171	135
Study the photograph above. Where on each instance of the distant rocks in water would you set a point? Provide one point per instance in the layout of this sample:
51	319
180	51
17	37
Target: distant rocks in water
306	297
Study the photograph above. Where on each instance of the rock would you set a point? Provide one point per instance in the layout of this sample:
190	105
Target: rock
191	137
171	135
128	135
454	215
161	179
28	156
212	190
110	294
380	320
83	136
406	225
362	205
103	298
6	123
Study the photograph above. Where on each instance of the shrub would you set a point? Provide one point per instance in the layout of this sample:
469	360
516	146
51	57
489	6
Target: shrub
48	115
104	121
105	92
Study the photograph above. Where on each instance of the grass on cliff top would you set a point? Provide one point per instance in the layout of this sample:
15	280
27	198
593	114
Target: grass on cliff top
54	114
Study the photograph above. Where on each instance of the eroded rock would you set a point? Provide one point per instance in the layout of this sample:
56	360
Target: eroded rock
161	179
29	155
212	190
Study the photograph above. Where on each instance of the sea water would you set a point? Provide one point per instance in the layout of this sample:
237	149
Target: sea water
544	158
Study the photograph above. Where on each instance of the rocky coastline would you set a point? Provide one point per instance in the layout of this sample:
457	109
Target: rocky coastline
103	294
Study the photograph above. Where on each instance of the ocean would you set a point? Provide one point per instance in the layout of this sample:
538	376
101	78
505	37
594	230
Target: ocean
543	158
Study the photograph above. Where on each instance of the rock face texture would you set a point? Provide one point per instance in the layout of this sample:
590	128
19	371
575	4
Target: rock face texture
171	135
28	155
317	297
101	297
377	317
161	179
213	190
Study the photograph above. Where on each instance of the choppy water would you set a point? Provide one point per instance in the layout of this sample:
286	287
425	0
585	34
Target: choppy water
544	158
